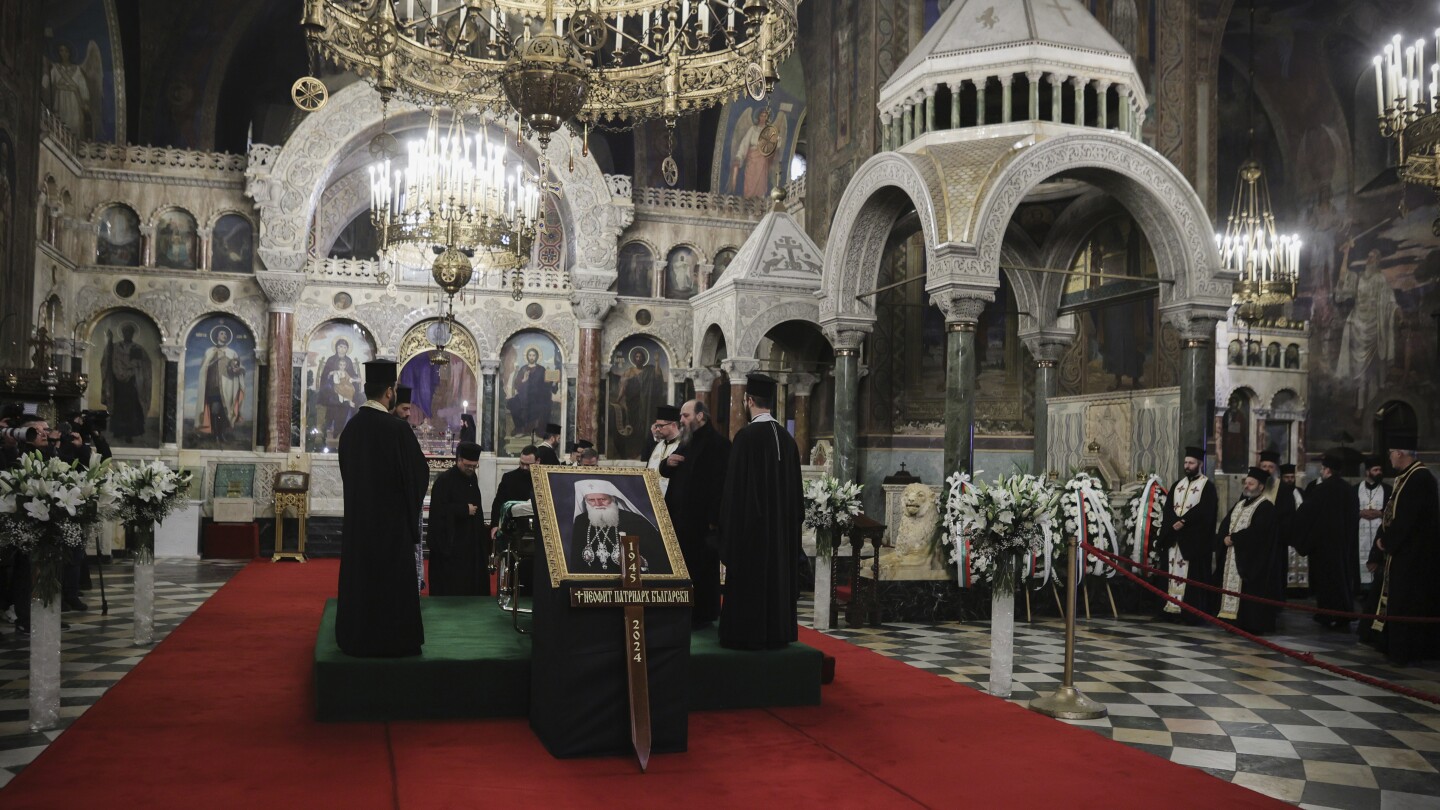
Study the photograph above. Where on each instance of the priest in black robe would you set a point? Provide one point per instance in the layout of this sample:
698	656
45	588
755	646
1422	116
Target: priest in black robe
458	553
516	485
1410	538
545	452
384	475
761	513
1246	542
696	472
1327	530
1187	535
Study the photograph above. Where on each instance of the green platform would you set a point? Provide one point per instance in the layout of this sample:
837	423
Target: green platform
474	665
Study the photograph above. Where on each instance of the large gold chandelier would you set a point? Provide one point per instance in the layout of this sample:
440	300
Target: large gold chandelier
463	194
1406	105
605	63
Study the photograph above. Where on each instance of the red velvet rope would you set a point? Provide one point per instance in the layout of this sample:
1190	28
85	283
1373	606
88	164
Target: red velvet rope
1116	560
1302	657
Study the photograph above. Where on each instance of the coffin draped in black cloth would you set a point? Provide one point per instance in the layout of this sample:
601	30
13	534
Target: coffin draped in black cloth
579	691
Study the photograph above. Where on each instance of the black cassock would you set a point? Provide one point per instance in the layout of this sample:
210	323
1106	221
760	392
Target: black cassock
1196	540
1255	559
696	486
1285	537
1412	570
458	556
761	512
545	454
516	485
1327	530
384	476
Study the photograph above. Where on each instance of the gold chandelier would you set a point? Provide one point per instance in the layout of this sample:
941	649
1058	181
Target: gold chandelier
1405	106
607	63
463	194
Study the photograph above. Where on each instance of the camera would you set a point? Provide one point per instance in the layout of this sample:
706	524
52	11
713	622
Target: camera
21	435
96	420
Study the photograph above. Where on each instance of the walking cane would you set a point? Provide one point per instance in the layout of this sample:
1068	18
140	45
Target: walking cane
100	574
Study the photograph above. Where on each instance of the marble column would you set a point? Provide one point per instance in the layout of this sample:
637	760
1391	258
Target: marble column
1033	77
907	124
847	342
590	310
1057	85
930	108
886	132
737	368
1006	83
955	104
174	397
1197	376
704	379
281	330
1102	99
1047	382
1079	101
801	385
1124	92
961	316
489	367
980	100
918	108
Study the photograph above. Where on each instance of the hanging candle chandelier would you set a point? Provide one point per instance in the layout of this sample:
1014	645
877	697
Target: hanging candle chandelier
1407	97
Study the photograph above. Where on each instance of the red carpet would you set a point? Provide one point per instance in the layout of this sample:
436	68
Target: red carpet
219	715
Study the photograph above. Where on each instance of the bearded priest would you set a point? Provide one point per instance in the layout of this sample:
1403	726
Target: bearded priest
1246	542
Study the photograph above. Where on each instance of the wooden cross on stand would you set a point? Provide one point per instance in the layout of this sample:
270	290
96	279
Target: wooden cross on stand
634	598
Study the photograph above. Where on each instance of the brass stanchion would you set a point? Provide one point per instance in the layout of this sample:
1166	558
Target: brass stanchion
1067	702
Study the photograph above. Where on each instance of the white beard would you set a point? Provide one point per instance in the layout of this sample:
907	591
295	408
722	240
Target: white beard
603	518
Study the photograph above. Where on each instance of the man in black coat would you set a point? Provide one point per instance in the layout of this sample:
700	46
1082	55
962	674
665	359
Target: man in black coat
515	485
545	452
1327	530
1246	542
1410	538
761	512
458	553
384	475
1187	534
696	472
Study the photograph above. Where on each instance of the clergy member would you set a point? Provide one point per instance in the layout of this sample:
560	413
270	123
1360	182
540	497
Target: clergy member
384	475
1410	537
761	512
458	555
403	406
545	452
666	432
1327	530
602	514
1246	542
1281	491
515	485
1188	532
696	475
1373	494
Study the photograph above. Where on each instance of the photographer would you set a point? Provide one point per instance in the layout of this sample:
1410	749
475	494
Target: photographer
32	434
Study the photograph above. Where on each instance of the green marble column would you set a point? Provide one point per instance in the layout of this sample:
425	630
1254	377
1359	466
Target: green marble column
1047	382
907	119
1033	77
955	104
1057	87
959	396
1005	96
1197	386
929	109
1102	97
980	101
886	143
846	465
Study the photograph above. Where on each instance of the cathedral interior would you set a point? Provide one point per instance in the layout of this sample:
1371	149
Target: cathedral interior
961	235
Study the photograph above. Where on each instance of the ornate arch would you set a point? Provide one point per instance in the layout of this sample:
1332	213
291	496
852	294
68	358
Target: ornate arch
209	225
754	329
166	207
565	358
709	347
100	207
462	344
92	322
699	254
288	186
609	350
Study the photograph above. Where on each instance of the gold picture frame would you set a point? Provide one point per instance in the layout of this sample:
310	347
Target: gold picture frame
557	488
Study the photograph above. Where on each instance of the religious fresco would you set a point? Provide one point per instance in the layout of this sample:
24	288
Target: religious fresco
636	271
220	398
531	379
127	377
639	381
80	73
440	393
177	240
722	263
117	243
757	138
232	245
682	274
334	380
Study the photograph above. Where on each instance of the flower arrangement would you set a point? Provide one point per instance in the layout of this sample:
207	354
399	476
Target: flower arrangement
1144	514
148	493
1085	514
830	504
994	529
45	507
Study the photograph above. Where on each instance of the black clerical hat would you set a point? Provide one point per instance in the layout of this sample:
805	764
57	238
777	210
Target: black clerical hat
1258	474
572	447
552	429
667	413
584	444
760	385
378	372
1374	461
402	395
1270	456
1197	453
1333	460
1287	469
469	451
1404	441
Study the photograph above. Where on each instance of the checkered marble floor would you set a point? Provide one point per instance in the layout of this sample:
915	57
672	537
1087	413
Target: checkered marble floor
1204	698
97	650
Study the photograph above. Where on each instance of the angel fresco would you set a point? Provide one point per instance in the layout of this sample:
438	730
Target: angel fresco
75	92
755	146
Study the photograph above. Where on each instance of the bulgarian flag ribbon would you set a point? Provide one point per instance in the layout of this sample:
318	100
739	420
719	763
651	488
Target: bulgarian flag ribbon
1148	499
